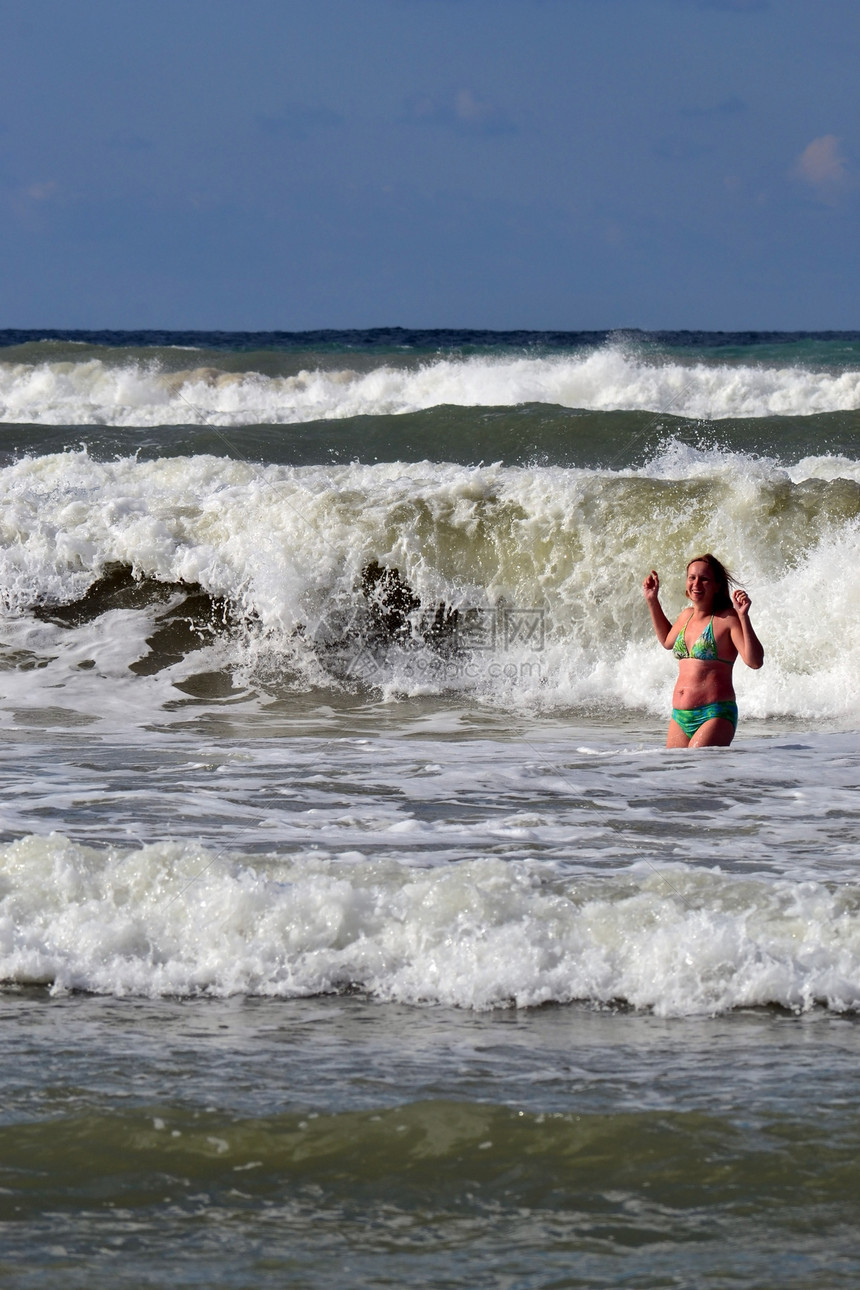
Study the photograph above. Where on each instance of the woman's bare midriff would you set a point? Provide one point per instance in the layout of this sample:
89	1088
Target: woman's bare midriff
700	683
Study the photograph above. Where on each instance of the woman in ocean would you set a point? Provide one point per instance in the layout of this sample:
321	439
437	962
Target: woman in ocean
704	711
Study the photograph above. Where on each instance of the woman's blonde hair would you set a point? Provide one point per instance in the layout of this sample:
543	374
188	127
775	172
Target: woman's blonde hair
725	580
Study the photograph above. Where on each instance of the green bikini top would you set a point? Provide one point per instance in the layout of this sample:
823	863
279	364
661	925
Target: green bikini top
704	649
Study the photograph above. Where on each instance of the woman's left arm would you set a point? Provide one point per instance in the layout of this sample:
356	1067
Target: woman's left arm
745	641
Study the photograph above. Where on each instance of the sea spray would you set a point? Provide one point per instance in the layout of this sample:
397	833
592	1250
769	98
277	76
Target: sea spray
171	919
609	378
538	569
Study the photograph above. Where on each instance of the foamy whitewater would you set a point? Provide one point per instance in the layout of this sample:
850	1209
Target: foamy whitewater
549	559
142	393
345	880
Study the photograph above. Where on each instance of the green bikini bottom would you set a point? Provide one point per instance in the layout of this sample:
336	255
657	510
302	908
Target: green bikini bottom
689	719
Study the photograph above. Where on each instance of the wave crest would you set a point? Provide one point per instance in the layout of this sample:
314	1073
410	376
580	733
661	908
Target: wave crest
476	934
612	378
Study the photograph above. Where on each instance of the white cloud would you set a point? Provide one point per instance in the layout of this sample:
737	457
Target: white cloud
821	164
462	111
736	6
469	108
41	192
298	121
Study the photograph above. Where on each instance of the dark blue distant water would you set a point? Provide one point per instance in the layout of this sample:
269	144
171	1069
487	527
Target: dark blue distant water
425	339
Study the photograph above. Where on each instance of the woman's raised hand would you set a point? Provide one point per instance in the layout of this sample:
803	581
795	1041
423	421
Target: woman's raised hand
742	603
651	585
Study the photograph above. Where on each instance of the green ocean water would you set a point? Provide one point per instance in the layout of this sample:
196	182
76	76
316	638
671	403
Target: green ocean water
326	961
257	1144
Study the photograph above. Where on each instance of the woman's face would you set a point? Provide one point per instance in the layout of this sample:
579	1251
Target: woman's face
701	583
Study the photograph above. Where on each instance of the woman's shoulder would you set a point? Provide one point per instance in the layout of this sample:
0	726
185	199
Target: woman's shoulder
725	621
681	620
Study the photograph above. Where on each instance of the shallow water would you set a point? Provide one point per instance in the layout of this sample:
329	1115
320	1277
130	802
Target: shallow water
417	959
241	1141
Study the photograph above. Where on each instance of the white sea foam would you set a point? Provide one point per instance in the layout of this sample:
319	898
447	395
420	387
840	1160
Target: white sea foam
608	379
550	559
167	919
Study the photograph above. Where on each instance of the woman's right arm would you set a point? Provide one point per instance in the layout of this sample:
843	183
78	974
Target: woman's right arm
663	629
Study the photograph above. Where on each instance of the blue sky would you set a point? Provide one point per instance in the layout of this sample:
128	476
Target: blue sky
259	164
